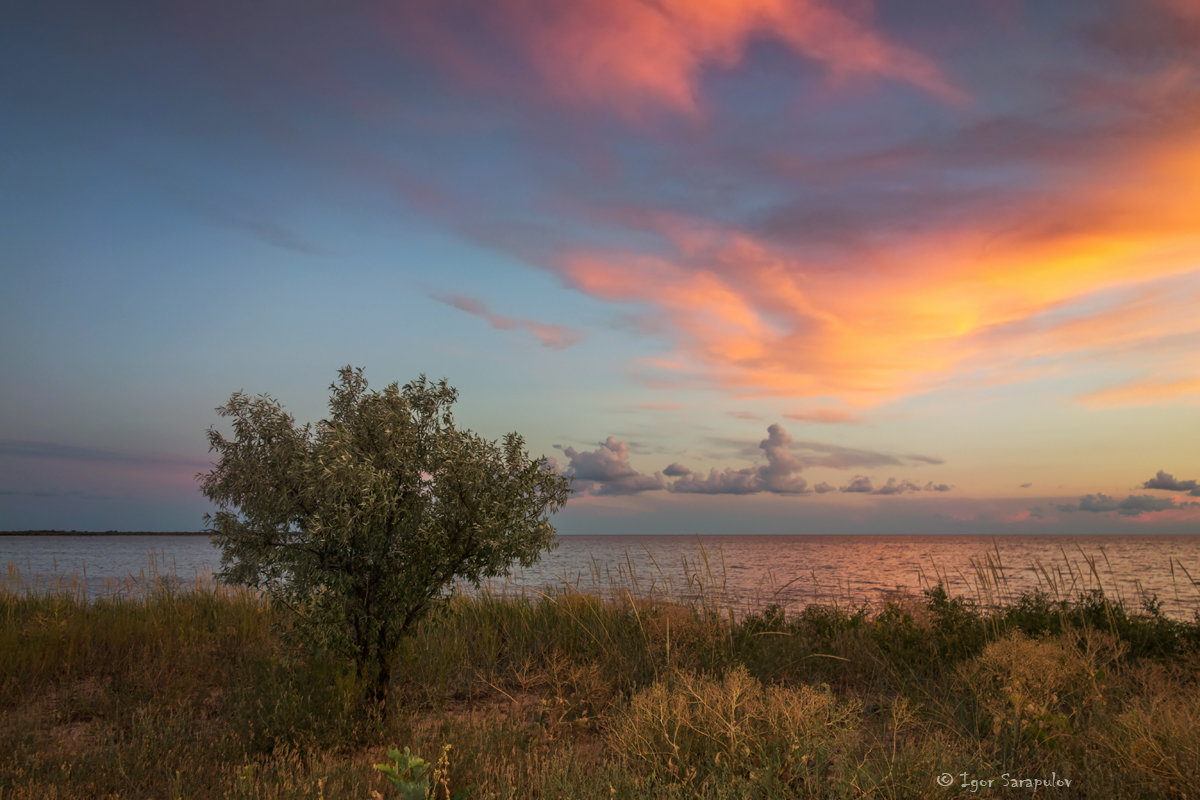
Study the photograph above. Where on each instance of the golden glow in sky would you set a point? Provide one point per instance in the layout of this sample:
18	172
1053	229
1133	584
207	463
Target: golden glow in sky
783	265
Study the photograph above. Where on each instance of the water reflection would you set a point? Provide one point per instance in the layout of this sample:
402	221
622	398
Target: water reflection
744	572
793	571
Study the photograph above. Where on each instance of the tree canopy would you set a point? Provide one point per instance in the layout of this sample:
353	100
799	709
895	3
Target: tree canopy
364	522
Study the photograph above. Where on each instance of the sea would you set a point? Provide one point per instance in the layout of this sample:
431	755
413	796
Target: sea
741	573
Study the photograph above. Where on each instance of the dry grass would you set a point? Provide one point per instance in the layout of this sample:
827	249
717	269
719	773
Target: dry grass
198	693
696	732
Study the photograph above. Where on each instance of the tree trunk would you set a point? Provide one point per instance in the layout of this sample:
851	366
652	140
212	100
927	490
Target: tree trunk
378	673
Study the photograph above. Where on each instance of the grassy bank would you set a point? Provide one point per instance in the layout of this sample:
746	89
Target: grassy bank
199	693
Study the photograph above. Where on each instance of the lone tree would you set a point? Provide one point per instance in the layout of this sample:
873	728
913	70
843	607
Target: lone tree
364	522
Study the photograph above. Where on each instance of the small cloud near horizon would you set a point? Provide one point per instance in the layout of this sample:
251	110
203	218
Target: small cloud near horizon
780	475
607	471
1131	506
1167	483
861	484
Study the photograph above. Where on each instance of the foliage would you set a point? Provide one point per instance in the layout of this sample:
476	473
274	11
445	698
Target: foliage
562	694
364	522
412	777
407	774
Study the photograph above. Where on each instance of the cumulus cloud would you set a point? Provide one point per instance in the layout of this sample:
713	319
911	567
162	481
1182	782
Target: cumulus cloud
608	462
632	484
897	487
729	481
607	471
1167	482
860	484
1098	503
863	485
1131	506
1144	503
780	475
553	336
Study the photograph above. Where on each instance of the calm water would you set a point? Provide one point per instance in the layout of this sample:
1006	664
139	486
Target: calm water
743	571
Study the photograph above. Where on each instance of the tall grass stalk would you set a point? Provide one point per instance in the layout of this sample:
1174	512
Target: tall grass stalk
633	687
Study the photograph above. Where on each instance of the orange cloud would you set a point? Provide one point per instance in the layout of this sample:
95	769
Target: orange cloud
826	416
1143	393
1075	213
1071	277
724	325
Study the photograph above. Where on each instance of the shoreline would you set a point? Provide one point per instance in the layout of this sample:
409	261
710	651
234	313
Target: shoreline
103	533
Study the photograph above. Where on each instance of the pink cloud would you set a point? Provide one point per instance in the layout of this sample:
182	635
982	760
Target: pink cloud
553	336
635	56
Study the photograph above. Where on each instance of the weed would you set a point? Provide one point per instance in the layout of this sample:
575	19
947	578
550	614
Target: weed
407	774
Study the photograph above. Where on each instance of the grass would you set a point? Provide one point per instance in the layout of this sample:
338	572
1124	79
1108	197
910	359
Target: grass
195	691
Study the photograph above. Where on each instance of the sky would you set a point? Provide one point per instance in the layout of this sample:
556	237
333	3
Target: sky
738	266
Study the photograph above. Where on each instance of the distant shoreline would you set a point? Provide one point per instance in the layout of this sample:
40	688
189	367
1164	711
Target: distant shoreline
103	533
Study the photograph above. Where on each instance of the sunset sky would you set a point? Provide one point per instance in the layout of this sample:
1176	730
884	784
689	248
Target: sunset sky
740	266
